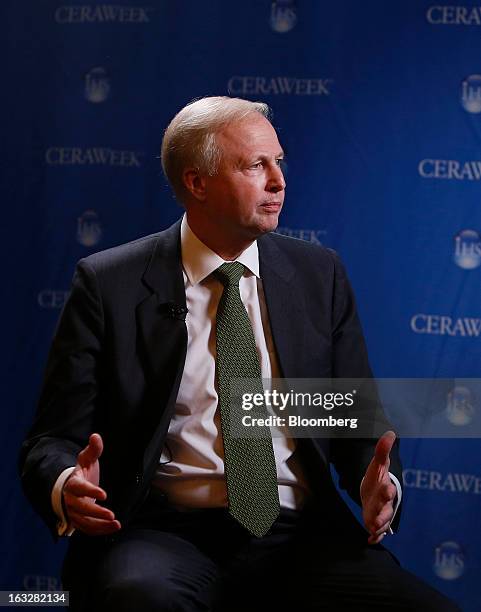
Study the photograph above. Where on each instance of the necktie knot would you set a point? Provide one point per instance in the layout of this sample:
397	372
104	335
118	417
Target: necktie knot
230	273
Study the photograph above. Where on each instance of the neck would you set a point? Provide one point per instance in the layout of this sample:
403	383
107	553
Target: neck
221	241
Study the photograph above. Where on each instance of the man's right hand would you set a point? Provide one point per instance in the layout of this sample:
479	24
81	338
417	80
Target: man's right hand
81	490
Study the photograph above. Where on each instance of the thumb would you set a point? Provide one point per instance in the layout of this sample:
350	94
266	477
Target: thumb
384	446
91	452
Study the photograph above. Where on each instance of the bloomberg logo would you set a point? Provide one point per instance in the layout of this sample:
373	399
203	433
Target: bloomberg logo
279	85
94	156
441	325
454	15
450	169
104	13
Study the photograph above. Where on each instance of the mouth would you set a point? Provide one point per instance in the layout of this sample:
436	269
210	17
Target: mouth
273	207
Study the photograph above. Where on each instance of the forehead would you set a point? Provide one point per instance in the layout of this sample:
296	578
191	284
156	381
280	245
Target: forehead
252	135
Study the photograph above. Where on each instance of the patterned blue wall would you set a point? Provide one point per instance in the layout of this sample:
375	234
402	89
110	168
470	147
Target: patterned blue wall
378	106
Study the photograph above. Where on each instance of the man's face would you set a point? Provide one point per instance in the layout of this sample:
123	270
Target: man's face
245	197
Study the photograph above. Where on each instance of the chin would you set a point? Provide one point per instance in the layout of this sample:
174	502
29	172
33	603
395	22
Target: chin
262	228
270	224
262	225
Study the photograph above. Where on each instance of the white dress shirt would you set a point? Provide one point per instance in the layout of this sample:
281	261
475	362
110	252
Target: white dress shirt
194	476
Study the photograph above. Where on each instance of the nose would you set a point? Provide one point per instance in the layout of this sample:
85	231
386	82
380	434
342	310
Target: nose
275	182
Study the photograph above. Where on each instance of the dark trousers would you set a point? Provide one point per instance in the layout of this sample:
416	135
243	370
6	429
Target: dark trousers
204	560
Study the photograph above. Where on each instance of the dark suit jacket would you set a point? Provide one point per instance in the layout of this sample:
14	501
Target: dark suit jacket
118	353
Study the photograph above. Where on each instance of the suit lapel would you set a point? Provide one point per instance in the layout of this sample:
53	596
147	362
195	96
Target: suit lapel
285	307
161	316
287	316
163	334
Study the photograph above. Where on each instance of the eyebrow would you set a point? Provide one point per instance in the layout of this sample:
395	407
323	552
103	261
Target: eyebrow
263	156
241	161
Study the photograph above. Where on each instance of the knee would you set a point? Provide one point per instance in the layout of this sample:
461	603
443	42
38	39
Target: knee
134	593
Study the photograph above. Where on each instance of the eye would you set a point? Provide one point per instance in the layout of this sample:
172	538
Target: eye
257	165
280	161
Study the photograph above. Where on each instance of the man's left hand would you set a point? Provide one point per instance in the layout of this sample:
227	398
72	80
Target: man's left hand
378	492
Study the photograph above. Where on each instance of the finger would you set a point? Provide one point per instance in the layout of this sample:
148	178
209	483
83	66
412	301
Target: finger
378	527
385	515
383	529
387	491
370	477
379	522
375	530
376	539
94	526
384	446
87	507
378	496
376	472
374	516
384	496
92	451
83	488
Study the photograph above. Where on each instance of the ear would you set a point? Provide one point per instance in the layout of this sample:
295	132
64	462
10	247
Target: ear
194	182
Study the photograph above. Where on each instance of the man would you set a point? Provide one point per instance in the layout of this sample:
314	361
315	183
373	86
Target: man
130	452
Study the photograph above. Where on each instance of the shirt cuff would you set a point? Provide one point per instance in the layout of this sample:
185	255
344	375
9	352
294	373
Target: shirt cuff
397	484
63	527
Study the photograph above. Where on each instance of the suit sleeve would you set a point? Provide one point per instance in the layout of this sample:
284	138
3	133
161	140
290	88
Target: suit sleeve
68	405
351	457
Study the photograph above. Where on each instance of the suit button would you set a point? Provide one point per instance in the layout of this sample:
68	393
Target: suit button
138	478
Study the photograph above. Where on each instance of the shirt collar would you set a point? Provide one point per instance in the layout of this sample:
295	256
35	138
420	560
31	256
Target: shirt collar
199	261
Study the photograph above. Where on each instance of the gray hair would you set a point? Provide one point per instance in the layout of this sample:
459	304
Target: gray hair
190	138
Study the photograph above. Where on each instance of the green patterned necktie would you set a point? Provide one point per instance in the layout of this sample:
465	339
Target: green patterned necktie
250	466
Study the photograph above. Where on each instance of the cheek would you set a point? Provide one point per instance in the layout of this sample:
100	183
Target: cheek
240	200
250	194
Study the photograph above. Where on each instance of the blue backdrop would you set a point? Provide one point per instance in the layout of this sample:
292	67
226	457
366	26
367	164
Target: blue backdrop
378	106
